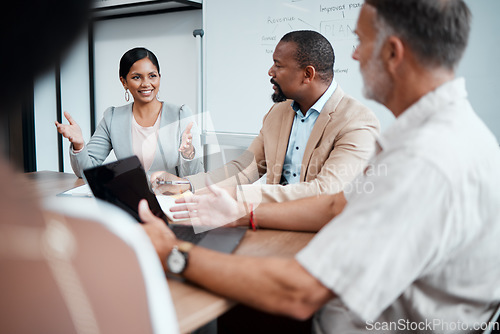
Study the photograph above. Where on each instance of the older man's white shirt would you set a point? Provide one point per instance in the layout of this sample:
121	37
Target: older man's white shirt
417	243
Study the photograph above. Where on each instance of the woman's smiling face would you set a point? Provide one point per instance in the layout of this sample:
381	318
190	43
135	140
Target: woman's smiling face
143	81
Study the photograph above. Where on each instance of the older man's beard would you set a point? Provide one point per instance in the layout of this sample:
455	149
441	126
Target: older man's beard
277	96
377	83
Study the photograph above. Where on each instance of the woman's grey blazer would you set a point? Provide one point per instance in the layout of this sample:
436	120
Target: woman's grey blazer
114	132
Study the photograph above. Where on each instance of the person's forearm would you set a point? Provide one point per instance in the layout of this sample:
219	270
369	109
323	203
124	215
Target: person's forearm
307	214
276	285
243	170
279	286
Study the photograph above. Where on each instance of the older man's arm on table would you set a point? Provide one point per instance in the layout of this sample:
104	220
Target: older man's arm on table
275	285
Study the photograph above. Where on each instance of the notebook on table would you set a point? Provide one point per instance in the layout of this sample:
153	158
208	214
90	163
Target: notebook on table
124	183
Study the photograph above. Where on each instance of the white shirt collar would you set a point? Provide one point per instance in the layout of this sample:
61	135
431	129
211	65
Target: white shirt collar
421	110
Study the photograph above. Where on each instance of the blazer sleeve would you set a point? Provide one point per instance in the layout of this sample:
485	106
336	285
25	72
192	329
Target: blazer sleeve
195	165
247	168
352	147
97	149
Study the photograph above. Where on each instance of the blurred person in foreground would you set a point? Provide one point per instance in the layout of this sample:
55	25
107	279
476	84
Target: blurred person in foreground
59	273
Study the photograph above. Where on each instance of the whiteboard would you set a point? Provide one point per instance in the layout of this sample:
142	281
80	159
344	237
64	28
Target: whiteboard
240	37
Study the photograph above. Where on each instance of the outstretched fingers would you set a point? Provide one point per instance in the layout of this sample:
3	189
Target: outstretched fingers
187	199
186	215
179	208
70	119
188	128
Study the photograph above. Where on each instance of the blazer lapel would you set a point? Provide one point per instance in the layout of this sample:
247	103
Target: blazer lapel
121	124
319	128
284	136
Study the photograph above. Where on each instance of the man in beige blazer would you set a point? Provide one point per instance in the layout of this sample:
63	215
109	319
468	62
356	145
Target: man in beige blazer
300	160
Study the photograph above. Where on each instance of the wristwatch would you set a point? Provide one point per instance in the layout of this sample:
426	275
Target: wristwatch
177	260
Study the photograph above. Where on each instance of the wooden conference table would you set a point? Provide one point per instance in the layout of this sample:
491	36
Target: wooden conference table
194	306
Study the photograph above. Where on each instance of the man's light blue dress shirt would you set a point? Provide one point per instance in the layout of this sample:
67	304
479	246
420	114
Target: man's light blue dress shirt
301	130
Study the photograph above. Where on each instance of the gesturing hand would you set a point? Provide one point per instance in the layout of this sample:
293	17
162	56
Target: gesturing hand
214	209
71	131
186	148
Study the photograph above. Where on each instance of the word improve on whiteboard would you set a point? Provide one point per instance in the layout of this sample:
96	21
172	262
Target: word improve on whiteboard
328	9
337	21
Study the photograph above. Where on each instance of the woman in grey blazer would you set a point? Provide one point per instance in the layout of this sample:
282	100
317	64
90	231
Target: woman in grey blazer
164	136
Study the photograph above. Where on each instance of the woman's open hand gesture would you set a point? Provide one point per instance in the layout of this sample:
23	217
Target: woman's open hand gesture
187	148
71	131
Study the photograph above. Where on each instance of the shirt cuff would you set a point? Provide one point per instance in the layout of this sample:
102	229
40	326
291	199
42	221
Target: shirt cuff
77	151
190	184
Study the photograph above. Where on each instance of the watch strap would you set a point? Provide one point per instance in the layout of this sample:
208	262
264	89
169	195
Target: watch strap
185	246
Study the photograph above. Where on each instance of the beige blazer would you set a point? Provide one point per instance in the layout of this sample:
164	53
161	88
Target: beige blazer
340	143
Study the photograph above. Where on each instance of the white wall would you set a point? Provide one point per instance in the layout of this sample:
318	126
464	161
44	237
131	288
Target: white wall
75	91
45	115
74	75
480	65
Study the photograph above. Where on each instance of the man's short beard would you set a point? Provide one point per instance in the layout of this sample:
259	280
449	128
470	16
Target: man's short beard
377	82
278	96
